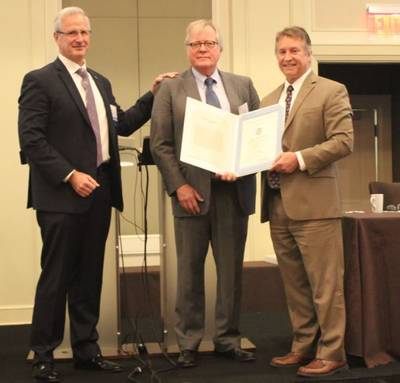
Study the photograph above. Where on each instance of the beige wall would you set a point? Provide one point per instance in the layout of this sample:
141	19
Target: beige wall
19	239
248	26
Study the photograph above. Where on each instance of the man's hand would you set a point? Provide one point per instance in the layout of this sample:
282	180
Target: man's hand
82	183
229	177
161	77
286	162
189	199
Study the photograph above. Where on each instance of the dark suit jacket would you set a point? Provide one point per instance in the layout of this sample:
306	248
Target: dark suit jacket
320	127
56	136
166	137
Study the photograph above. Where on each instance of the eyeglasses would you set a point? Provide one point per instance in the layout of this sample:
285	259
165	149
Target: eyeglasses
73	34
207	44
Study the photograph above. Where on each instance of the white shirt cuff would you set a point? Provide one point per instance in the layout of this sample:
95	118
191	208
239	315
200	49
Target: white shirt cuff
68	176
300	160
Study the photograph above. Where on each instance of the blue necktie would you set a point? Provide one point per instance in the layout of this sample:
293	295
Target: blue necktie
211	97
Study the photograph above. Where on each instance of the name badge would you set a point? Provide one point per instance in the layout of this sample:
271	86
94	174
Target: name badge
243	108
114	113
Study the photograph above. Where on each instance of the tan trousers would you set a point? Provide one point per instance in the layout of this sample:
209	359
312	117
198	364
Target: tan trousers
310	257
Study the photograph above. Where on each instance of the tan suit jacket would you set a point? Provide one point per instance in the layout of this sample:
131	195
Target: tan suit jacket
320	127
309	250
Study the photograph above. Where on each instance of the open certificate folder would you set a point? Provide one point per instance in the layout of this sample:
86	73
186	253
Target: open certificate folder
220	142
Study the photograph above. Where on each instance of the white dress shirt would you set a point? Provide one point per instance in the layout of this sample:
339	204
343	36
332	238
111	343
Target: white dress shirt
218	88
296	88
72	67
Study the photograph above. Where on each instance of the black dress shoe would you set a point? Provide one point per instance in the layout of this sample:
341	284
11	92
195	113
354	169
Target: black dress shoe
45	372
187	358
97	363
237	354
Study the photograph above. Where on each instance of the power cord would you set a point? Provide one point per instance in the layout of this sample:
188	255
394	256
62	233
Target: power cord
146	366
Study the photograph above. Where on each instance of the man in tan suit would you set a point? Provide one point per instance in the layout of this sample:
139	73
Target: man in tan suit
304	209
207	207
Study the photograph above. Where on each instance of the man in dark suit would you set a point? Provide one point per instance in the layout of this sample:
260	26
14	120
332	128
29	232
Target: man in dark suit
68	126
206	207
304	210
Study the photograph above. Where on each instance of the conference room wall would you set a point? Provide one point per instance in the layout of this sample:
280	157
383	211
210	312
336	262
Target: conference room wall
249	27
27	43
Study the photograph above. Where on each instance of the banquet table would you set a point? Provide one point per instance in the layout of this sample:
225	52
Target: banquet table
372	285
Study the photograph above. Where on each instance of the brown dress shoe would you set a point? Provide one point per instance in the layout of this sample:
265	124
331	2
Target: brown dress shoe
290	360
322	367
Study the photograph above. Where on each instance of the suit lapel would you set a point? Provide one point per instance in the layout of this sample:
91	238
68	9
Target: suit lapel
231	92
274	97
103	94
71	88
190	86
308	85
112	133
99	84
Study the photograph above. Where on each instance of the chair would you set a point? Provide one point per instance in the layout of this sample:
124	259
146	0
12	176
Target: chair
390	191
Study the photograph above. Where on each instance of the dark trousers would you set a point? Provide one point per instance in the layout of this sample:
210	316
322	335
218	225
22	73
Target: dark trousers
72	271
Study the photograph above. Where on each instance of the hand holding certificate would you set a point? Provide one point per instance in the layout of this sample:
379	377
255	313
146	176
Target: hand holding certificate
220	142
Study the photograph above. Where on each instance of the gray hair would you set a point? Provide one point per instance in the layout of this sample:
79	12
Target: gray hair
67	12
295	32
202	24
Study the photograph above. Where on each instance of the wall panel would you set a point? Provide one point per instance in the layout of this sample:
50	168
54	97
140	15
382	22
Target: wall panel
30	47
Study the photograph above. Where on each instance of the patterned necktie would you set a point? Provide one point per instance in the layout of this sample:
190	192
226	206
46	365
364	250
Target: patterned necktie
288	100
92	111
274	178
211	97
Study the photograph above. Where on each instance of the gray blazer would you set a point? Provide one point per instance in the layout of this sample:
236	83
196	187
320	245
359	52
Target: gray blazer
166	138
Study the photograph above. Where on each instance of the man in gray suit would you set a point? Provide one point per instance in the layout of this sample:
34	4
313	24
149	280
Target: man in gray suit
304	210
207	207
